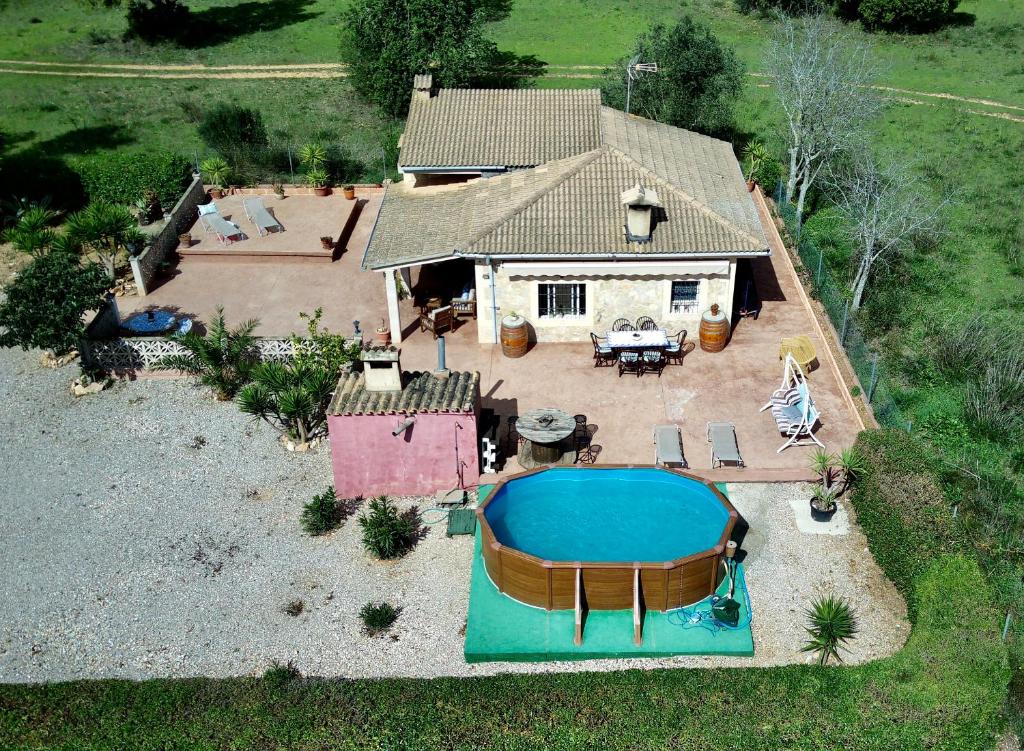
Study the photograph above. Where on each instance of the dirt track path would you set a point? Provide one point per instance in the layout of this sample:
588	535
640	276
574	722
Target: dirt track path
339	70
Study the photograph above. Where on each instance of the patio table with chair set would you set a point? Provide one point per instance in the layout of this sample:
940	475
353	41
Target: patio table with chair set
548	436
639	348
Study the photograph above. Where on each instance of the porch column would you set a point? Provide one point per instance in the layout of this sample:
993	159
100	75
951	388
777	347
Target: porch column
394	319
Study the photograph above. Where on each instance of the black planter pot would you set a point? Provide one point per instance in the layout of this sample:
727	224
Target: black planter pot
822	516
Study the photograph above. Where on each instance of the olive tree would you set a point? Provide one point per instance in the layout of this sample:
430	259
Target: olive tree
822	81
885	209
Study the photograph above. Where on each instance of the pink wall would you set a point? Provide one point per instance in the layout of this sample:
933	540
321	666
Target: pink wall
428	457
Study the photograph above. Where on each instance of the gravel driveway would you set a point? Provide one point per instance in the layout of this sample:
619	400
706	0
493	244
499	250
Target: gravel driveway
149	531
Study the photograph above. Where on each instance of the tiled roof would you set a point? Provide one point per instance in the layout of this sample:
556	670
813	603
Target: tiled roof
422	393
500	127
569	207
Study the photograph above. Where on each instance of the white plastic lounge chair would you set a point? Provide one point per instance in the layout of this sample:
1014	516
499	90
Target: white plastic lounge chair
793	408
668	447
257	213
227	232
724	448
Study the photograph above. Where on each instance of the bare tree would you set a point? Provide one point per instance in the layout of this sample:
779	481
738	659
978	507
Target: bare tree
885	209
822	81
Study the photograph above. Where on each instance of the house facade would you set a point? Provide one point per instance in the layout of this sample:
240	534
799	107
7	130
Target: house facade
571	214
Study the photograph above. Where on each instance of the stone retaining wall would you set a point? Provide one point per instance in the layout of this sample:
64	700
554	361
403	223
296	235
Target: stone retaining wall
146	266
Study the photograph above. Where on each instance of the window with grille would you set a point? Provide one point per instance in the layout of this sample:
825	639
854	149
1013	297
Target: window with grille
563	300
684	297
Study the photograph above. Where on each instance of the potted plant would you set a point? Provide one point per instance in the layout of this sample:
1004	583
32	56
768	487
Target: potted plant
835	474
217	172
185	239
383	334
279	191
350	192
318	180
142	212
313	155
327	242
755	153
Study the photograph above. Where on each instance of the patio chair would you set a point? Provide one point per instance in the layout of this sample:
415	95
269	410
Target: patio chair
793	408
724	448
623	324
630	362
646	323
581	428
258	214
207	210
437	321
668	447
603	354
678	348
653	360
465	303
227	232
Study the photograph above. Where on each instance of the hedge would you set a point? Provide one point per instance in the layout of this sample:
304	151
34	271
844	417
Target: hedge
123	177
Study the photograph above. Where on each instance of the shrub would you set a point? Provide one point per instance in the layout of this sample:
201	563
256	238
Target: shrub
906	15
322	349
44	305
280	673
157	20
832	623
322	514
386	533
901	506
237	134
222	360
294	608
290	397
124	177
377	617
789	7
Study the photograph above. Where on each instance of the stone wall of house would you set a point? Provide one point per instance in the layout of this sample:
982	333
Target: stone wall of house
146	266
629	295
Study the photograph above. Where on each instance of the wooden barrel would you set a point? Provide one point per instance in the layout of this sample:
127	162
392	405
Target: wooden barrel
514	336
714	330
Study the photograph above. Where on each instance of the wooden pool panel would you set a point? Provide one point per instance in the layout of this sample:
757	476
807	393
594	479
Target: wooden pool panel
606	586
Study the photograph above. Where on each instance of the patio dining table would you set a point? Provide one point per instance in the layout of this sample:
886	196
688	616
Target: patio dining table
545	430
637	340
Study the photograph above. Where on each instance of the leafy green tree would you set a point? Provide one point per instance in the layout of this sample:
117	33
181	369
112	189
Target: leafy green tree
222	360
291	397
45	303
107	230
698	79
387	42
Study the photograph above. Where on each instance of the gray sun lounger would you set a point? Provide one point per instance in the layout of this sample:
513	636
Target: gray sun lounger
722	437
668	447
225	230
257	214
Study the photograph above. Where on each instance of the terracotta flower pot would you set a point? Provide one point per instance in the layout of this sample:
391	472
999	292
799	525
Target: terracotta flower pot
216	193
185	239
750	185
382	338
350	192
324	191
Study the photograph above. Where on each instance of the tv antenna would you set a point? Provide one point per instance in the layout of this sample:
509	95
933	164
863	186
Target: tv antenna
634	69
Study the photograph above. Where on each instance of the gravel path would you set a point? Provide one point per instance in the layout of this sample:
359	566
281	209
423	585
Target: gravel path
150	531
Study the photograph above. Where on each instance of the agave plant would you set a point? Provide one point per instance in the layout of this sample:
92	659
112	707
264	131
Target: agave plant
222	360
105	229
291	397
832	624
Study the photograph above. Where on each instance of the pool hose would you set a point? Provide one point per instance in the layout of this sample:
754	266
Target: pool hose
701	614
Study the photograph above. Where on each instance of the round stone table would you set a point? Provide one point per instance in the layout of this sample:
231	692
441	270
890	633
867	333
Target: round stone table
545	431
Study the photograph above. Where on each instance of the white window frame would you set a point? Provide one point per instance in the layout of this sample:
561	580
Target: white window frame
572	317
671	312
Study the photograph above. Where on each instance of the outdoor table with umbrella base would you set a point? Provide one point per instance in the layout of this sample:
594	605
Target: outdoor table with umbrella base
546	431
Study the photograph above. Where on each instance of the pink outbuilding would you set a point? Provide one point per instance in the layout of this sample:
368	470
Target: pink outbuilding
402	433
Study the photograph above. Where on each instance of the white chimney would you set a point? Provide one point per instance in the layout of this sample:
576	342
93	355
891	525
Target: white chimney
381	371
422	86
640	203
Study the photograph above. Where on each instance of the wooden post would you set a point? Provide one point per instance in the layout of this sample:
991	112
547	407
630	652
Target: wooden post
578	638
638	637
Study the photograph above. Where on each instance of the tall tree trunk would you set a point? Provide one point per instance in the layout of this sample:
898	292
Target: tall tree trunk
805	184
791	182
860	282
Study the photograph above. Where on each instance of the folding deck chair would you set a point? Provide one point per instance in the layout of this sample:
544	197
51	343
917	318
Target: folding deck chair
724	448
258	214
793	408
668	447
212	221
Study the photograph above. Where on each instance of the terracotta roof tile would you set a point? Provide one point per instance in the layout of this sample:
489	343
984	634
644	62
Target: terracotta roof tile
422	393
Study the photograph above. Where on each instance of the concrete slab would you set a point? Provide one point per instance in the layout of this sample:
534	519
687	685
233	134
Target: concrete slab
839	524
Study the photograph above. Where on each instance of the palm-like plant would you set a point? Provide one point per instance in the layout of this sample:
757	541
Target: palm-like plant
851	464
106	229
317	177
291	397
832	623
222	360
313	155
755	153
216	170
34	233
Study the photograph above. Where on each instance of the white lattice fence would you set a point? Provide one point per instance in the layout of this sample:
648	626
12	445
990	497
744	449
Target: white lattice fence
145	353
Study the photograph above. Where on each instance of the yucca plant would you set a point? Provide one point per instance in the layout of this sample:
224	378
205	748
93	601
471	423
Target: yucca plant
755	153
291	397
216	170
387	533
222	360
832	624
317	177
107	230
313	155
851	465
34	233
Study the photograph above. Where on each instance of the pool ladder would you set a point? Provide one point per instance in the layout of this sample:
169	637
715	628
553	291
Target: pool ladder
638	614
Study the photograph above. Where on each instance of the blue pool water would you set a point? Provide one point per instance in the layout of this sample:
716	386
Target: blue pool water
607	515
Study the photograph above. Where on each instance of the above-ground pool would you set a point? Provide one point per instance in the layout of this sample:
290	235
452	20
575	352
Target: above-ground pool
609	535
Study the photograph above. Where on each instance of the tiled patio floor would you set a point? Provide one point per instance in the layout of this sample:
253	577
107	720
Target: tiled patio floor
727	386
